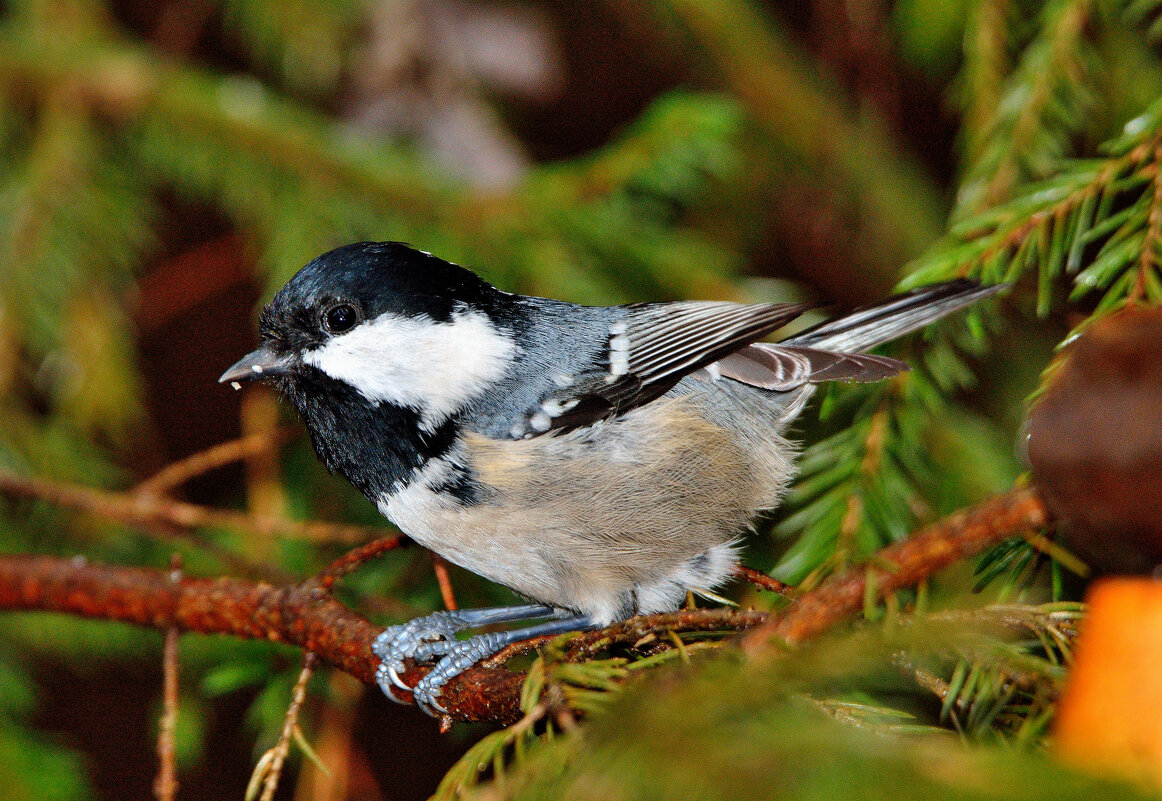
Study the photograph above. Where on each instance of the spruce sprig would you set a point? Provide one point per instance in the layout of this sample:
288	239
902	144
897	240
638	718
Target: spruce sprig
1095	220
1043	104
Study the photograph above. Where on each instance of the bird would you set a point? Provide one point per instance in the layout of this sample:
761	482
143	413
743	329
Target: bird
600	461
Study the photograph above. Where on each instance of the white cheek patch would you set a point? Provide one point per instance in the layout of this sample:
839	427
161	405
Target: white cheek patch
417	362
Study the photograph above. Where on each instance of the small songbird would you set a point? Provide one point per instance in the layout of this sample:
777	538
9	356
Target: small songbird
601	461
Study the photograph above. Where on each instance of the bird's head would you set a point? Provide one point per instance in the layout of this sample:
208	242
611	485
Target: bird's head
383	324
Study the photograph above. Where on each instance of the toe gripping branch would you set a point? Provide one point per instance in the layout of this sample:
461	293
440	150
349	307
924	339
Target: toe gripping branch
432	637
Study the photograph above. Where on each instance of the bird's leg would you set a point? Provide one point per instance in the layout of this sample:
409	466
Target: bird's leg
397	643
432	636
459	655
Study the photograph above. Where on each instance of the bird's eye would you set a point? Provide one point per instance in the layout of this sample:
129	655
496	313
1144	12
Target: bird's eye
340	318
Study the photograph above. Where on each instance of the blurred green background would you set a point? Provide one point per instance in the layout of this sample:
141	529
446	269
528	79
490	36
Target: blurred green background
165	166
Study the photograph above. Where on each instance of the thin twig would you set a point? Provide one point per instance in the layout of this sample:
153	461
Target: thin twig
147	510
763	581
165	784
440	567
282	747
213	458
357	557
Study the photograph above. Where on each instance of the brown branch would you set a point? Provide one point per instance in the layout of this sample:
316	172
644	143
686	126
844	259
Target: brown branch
357	557
149	510
905	564
305	615
763	581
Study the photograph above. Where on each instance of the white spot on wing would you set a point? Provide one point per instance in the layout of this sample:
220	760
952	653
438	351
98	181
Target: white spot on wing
618	363
555	407
417	362
540	422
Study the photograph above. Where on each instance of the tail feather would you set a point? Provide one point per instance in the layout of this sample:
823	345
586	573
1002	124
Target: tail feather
779	367
898	315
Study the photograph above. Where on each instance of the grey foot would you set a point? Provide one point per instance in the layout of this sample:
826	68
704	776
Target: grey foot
397	643
431	637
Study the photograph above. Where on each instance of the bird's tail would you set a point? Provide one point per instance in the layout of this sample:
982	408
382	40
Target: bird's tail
900	314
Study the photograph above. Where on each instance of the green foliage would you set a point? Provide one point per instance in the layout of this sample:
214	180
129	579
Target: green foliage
1021	134
1023	208
929	32
58	772
34	768
1008	688
770	729
1093	220
305	44
859	487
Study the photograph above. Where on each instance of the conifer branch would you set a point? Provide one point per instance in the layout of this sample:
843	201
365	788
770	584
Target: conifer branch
861	487
1043	105
904	565
1090	220
1146	282
147	509
987	57
307	616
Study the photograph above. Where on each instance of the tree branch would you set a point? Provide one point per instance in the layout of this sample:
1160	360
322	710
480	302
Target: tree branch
307	616
905	564
149	509
304	615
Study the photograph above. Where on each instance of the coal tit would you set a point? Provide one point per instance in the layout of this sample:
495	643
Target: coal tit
601	461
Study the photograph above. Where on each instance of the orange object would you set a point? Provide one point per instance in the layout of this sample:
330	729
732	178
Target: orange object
1109	720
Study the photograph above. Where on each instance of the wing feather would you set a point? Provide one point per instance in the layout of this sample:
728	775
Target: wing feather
652	346
649	349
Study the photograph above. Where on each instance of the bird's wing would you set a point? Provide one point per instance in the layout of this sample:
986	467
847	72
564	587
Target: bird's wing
648	350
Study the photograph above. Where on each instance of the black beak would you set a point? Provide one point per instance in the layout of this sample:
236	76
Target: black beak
260	363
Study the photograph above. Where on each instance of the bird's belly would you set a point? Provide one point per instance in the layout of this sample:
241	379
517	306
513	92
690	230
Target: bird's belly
611	520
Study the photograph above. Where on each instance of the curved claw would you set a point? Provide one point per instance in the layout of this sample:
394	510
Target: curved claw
425	696
396	680
433	708
393	696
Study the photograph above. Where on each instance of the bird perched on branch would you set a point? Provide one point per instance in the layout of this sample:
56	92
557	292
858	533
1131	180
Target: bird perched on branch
601	461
